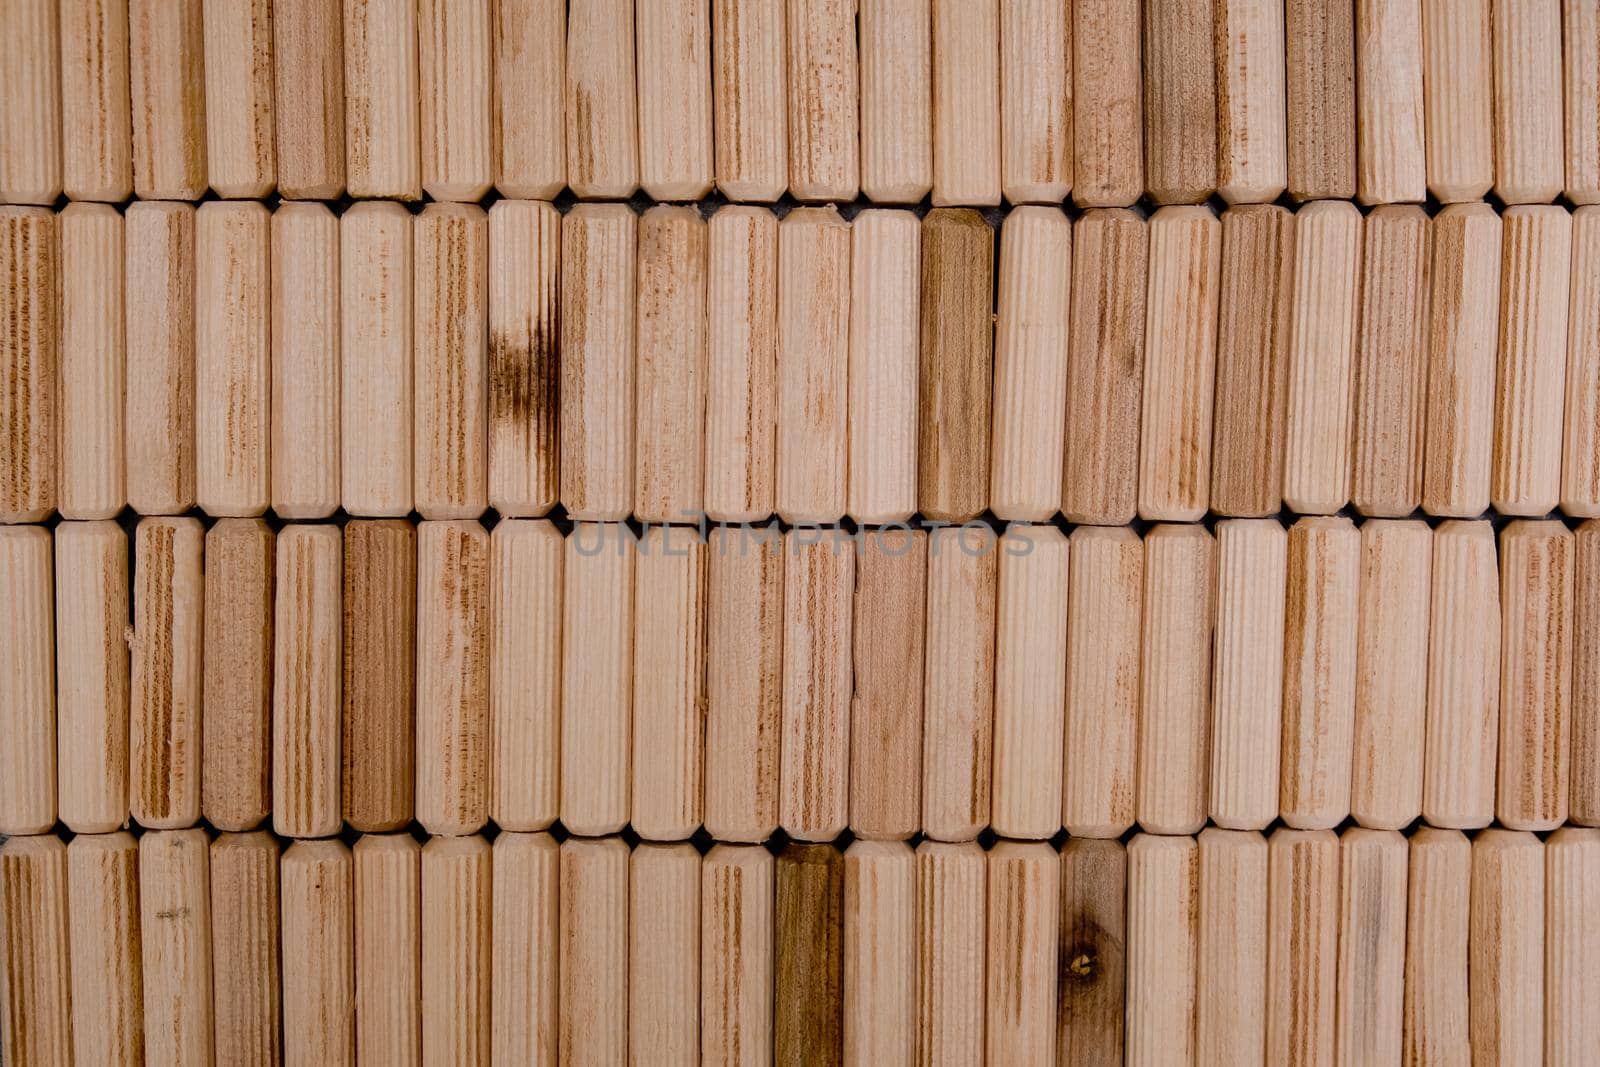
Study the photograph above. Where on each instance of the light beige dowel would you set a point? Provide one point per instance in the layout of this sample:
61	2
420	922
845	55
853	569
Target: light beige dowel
375	354
958	683
97	158
1257	283
1105	367
750	118
164	729
526	932
35	965
822	119
1180	348
93	365
880	952
1248	669
1464	313
175	934
1231	948
525	674
896	100
602	120
819	575
318	953
1527	90
1163	911
1252	150
1391	363
1030	681
30	132
966	101
744	682
91	602
1180	101
1036	120
1030	375
454	87
813	365
1319	675
236	698
669	637
1391	673
158	239
664	954
388	948
308	97
1507	948
1457	87
594	951
453	625
1024	889
30	353
950	953
450	362
669	460
379	685
1581	49
1302	945
530	84
107	987
1180	578
1437	912
305	361
673	41
1389	104
1580	444
889	627
1108	104
598	246
245	948
1530	380
884	353
381	142
1320	70
741	342
306	676
1572	945
524	360
1585	799
241	155
1463	677
1536	650
1372	925
167	88
597	677
233	358
736	954
456	950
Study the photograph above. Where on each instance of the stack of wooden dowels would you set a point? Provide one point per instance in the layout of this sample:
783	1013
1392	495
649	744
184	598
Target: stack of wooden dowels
954	531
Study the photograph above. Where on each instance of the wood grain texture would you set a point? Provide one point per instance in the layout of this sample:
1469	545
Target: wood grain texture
525	612
97	160
1507	950
966	102
1163	944
30	356
27	680
736	954
457	916
382	148
823	124
1180	101
158	240
1580	40
673	47
306	682
664	954
1091	953
524	367
318	952
377	742
31	133
1584	807
305	362
1024	890
808	990
375	351
1320	90
91	475
896	61
1458	88
1571	944
530	85
453	624
670	382
749	91
241	153
175	938
164	727
167	90
602	104
597	678
308	97
107	976
1437	913
1372	946
526	948
1580	442
455	86
1231	948
237	673
245	928
1036	117
1252	147
594	951
1302	945
36	1022
388	947
1527	89
885	279
951	973
1389	102
1107	104
91	623
880	952
819	574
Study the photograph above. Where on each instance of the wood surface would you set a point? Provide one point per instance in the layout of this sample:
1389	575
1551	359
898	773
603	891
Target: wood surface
1584	807
308	98
91	657
1572	944
305	330
455	87
525	613
91	480
736	954
1302	945
602	103
164	730
1320	91
1580	41
307	673
1163	947
966	102
107	979
456	950
246	923
375	356
1231	948
388	947
819	574
167	93
750	98
529	116
175	942
525	953
1107	104
377	742
1180	101
808	935
1527	89
318	900
30	355
1458	98
823	124
1036	112
1506	965
383	156
594	951
670	378
1091	953
1023	922
884	357
1252	147
880	952
673	49
1580	442
664	954
1372	946
36	1023
1438	888
158	241
236	704
597	678
241	150
453	623
896	42
97	160
1389	102
951	937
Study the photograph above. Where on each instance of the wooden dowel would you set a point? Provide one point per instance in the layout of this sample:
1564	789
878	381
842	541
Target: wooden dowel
819	573
885	279
808	991
670	384
1180	101
664	954
450	361
950	936
381	142
1105	367
165	728
813	370
93	364
1036	120
167	88
1030	375
1091	955
896	100
1507	948
1252	149
107	983
1389	106
594	951
388	948
158	239
245	911
966	102
30	355
749	88
454	90
318	953
237	674
35	964
1580	40
233	358
1107	104
1163	948
175	932
1024	889
97	159
1463	677
524	361
673	42
1302	945
1248	666
1457	86
1319	675
305	362
1372	925
823	125
453	625
525	572
1584	807
1231	948
526	947
602	105
1320	72
1571	945
375	354
91	622
957	331
308	97
880	952
741	344
598	255
30	132
597	677
1030	681
736	954
241	155
958	683
1580	444
456	950
306	676
1180	348
530	84
1527	90
1437	913
378	745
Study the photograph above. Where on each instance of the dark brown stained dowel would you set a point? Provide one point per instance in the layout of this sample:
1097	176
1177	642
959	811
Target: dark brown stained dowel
1091	963
237	702
809	987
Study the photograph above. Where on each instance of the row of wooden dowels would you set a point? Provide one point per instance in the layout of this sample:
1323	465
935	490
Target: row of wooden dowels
1303	947
972	101
905	683
666	366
